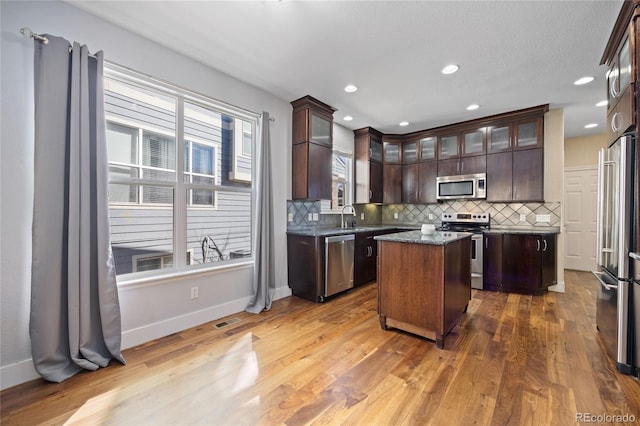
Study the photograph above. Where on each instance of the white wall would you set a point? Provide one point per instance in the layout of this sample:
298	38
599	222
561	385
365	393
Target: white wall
554	178
150	309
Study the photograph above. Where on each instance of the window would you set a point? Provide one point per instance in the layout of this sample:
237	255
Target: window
342	183
173	204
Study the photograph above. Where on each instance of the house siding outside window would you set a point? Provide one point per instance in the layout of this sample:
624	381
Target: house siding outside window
175	198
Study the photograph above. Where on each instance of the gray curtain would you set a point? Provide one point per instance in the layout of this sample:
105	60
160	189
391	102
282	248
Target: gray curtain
264	280
75	313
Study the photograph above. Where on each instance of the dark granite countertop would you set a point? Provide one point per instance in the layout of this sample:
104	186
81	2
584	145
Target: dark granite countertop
416	237
523	230
324	232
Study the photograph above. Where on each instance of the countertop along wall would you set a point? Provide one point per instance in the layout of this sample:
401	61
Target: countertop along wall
149	309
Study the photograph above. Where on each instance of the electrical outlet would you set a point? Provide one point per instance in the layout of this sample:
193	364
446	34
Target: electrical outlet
543	218
431	216
315	216
361	216
395	215
523	217
290	217
310	217
194	292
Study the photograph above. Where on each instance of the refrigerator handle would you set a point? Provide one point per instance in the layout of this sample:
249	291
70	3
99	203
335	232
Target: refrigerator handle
600	208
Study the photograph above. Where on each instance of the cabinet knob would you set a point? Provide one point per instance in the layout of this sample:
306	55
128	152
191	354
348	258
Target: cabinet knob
544	247
538	243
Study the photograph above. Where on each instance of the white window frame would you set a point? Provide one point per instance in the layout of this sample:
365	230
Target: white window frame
325	205
180	267
216	181
138	257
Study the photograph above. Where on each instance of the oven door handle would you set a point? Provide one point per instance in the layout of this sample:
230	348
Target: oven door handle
605	285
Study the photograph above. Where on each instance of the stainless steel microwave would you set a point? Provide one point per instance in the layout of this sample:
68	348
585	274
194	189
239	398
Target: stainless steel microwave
462	186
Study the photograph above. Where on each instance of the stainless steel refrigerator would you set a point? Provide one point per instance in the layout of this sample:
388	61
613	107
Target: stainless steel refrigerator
615	316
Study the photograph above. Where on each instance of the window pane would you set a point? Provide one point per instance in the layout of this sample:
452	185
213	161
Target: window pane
223	233
140	236
158	151
122	143
247	139
202	161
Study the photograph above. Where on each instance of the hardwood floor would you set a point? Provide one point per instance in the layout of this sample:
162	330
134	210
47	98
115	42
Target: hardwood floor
511	360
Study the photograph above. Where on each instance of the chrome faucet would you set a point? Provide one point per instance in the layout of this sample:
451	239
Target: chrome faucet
353	212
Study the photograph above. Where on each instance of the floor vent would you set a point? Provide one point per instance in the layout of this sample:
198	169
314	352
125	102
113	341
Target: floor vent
227	323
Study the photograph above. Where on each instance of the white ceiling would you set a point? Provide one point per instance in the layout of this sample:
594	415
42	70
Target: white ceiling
512	54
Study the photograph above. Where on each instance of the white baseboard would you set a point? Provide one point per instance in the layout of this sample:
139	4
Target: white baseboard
23	371
558	288
169	326
14	374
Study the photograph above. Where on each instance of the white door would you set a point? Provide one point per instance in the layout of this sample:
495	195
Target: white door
580	195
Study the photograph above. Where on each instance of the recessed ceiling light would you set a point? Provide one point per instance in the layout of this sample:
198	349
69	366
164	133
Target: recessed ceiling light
583	80
602	103
591	125
403	123
348	118
350	88
473	107
450	69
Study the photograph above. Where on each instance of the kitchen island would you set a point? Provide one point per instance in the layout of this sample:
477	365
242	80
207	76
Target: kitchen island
424	282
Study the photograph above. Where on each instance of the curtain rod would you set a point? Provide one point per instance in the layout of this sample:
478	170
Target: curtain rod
26	31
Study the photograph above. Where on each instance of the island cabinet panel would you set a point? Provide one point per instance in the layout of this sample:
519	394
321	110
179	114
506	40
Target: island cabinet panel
423	288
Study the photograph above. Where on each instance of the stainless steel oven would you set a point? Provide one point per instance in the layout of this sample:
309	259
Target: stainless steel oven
475	223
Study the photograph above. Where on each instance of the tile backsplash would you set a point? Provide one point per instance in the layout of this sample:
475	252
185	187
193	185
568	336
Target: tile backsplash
502	214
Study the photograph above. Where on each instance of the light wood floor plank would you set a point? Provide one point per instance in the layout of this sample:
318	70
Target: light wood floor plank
511	360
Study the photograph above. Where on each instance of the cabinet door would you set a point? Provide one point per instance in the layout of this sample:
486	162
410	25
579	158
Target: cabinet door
521	263
449	167
320	172
528	175
492	262
549	253
410	183
499	176
471	165
528	133
375	150
392	184
499	138
364	260
375	182
392	152
410	152
474	142
427	181
320	131
448	146
428	148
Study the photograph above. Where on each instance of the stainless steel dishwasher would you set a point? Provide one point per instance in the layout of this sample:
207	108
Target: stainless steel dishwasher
338	265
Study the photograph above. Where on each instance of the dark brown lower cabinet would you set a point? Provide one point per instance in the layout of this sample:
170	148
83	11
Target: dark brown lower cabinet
492	262
522	263
365	258
305	266
366	255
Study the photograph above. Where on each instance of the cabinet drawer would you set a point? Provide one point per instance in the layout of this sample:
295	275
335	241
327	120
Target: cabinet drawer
622	115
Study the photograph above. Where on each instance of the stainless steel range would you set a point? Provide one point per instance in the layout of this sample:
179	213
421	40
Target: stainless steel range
475	223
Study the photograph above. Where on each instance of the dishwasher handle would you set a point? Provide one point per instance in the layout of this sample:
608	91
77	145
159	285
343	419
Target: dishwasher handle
339	238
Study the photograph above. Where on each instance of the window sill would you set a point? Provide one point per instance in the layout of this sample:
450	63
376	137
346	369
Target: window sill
131	282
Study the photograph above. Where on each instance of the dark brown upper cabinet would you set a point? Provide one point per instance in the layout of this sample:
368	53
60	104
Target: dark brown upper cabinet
392	152
368	166
312	150
473	142
448	146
